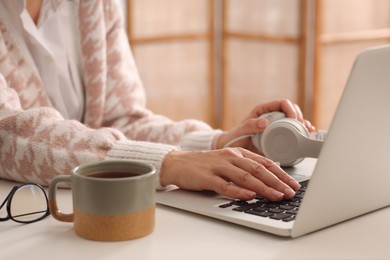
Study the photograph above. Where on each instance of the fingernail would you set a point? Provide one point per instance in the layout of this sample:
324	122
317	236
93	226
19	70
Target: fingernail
295	185
289	192
277	195
251	195
262	123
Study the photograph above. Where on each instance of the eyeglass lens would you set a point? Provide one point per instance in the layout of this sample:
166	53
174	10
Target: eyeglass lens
28	203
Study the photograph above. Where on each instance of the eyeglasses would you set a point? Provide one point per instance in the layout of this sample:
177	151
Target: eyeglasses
26	203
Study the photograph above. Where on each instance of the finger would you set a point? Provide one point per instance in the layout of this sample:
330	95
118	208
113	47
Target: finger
252	175
301	119
257	177
277	105
274	167
242	177
249	179
283	176
289	109
309	126
252	125
299	113
228	189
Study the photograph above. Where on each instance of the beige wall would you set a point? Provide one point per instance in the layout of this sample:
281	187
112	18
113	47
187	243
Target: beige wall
214	60
344	29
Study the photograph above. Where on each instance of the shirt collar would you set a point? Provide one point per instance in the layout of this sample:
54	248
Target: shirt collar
47	9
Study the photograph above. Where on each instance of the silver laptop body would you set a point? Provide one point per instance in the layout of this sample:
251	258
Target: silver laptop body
352	174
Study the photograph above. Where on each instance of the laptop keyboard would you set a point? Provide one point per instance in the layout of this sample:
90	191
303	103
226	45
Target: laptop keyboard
284	210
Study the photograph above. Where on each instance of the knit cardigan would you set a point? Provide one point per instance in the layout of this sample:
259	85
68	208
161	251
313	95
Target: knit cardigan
37	143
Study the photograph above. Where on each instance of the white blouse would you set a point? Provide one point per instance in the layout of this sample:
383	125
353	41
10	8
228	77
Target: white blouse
55	48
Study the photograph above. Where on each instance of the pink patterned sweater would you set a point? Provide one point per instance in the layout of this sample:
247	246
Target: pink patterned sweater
37	143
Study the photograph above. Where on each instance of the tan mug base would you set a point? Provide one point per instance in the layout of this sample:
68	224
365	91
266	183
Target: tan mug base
114	228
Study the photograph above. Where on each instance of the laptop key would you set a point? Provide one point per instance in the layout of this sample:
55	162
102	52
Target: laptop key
280	216
292	211
261	214
246	207
260	209
295	204
289	218
226	205
276	211
286	207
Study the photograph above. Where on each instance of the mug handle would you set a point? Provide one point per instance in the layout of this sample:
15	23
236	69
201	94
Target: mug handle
55	212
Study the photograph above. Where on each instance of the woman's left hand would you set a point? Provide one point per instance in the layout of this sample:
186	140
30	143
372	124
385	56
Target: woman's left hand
253	124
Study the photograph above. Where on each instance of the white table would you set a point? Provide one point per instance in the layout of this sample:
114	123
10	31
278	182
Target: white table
182	235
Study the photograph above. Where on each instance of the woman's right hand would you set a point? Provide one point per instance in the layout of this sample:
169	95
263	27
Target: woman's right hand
233	172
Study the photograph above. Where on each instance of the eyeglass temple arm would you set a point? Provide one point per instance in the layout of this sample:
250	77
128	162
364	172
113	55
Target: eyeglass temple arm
5	201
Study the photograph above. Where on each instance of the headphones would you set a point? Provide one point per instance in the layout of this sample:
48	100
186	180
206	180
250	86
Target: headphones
286	140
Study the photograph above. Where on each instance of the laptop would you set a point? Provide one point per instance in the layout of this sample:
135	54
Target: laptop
351	176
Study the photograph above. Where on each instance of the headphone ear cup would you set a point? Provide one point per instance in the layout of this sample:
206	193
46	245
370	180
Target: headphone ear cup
256	141
280	141
271	117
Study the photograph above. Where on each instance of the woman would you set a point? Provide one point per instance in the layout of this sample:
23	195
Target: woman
70	94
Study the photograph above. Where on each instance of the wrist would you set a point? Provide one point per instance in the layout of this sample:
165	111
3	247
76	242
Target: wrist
166	171
215	143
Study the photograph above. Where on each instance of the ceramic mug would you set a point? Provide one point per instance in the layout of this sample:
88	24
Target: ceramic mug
112	200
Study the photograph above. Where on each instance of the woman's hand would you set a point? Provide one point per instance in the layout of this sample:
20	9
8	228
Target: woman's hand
253	124
233	172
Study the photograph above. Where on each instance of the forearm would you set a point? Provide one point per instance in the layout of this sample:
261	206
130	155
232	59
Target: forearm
38	144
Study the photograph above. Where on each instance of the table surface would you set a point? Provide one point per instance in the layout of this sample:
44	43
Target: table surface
183	235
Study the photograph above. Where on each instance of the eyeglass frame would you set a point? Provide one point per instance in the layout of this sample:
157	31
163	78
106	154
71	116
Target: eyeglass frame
8	200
